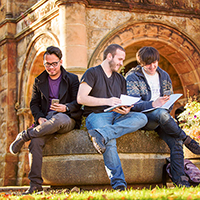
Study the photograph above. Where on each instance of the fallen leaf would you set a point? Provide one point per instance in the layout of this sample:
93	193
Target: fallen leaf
68	197
27	197
104	196
153	191
90	197
49	197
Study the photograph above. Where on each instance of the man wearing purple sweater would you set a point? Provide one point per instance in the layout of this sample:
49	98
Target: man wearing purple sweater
50	118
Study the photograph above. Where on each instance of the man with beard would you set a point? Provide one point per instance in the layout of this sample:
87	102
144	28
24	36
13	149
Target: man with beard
50	118
101	87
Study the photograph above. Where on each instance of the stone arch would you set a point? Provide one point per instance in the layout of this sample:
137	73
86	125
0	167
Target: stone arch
173	45
32	66
33	58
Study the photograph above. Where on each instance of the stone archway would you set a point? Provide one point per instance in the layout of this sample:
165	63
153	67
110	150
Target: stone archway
32	66
173	45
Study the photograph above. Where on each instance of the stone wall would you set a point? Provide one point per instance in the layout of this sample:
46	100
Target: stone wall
71	160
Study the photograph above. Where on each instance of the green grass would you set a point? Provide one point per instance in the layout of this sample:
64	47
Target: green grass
156	193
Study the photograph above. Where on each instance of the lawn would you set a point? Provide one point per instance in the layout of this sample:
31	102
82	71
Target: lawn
155	193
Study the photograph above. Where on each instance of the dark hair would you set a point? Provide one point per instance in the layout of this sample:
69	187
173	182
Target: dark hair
112	49
53	50
147	55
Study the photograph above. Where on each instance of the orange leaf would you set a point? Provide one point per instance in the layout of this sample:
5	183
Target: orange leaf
153	191
104	196
27	197
49	197
90	197
68	197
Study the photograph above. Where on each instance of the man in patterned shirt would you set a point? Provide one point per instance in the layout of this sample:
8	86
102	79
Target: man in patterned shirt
151	83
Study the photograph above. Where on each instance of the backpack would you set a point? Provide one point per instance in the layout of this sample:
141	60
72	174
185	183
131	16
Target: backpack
191	171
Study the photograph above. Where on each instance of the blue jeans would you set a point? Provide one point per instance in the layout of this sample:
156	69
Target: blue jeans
112	125
173	135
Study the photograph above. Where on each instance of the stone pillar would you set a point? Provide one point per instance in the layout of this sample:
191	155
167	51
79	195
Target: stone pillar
8	96
8	119
25	121
73	37
8	10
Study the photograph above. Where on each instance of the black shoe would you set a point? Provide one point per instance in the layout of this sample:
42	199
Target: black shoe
120	188
98	141
192	145
184	182
33	189
17	144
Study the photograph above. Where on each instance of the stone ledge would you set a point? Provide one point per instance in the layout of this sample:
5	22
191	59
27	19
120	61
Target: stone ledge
77	142
70	159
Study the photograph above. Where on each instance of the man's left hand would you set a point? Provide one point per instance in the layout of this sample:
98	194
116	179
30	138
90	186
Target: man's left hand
123	109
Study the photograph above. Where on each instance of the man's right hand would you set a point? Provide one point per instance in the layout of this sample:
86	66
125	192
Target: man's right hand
113	101
160	101
42	120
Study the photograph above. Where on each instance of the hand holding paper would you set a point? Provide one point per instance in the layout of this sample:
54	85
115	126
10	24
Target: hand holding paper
125	101
168	104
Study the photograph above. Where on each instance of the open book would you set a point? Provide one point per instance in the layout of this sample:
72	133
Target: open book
125	101
168	104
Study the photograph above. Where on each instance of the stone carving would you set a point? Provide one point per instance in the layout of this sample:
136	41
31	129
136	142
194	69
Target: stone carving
161	5
182	6
151	30
29	18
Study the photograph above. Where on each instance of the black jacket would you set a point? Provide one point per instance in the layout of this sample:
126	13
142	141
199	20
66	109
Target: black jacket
67	95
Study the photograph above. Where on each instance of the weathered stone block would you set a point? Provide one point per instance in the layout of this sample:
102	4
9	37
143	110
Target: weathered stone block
177	38
79	53
164	32
75	35
182	67
188	78
70	159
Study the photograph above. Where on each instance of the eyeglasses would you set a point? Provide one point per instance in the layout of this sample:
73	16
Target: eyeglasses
53	64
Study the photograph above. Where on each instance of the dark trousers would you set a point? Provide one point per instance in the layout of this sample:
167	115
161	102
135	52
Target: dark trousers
161	120
58	123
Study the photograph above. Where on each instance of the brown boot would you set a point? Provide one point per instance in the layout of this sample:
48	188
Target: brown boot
97	140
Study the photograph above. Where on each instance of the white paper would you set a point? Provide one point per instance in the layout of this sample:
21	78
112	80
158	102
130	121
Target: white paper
125	101
168	104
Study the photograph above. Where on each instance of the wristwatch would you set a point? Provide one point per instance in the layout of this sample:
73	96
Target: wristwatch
67	108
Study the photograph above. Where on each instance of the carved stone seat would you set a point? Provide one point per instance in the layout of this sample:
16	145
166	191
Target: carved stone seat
70	159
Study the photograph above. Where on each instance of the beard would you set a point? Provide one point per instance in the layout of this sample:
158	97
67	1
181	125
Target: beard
112	66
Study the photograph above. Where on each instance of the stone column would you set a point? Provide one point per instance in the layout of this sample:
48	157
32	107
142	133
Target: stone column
24	115
8	119
8	9
73	37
